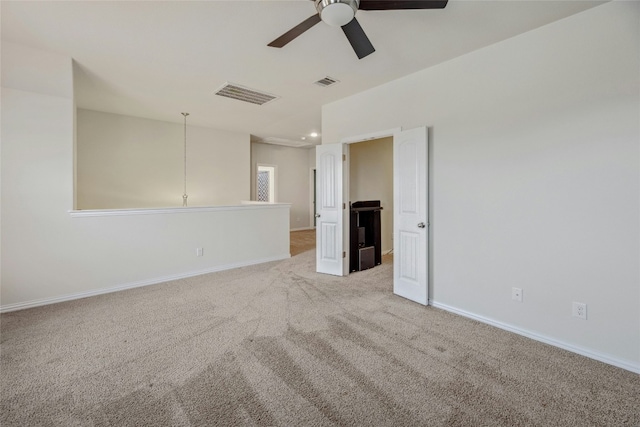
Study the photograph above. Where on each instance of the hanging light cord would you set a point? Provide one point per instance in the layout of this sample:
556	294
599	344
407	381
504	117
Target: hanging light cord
184	195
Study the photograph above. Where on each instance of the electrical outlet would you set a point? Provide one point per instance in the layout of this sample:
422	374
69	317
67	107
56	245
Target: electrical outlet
198	251
516	294
580	310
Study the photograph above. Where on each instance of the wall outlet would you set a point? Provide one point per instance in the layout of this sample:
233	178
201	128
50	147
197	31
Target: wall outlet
516	294
579	310
199	252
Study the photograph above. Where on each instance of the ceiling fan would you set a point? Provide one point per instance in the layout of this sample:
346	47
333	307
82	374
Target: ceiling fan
341	13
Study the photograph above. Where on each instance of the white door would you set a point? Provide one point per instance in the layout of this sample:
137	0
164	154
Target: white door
410	224
329	220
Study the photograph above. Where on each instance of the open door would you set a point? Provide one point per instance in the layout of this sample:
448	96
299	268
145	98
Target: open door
329	203
410	225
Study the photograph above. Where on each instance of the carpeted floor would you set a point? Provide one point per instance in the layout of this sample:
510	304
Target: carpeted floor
279	345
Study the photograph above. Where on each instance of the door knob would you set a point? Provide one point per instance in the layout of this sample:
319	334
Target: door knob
421	225
317	215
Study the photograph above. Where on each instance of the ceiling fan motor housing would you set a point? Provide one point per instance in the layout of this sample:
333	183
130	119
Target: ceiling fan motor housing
337	12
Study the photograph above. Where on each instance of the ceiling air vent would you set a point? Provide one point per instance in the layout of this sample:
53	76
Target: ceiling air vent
327	81
245	94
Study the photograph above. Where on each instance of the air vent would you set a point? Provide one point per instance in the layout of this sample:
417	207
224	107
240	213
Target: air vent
230	90
327	81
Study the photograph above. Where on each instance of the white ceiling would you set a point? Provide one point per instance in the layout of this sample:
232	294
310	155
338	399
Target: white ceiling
155	59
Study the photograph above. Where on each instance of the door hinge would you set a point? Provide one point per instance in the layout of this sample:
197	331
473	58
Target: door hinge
344	157
344	254
344	206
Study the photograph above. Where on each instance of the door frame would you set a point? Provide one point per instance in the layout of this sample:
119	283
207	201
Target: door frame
312	197
345	179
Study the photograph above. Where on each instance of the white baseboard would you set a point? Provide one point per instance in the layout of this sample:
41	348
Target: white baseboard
629	366
302	229
46	301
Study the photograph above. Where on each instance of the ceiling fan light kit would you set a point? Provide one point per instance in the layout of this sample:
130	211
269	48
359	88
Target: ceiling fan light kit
337	12
342	13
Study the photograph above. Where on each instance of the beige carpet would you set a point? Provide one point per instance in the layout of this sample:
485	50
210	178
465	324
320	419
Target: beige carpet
279	345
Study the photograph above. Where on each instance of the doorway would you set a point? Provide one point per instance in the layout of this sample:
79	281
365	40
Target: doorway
410	210
371	178
266	183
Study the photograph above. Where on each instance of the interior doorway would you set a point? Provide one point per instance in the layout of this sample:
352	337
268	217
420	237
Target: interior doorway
371	179
410	212
266	183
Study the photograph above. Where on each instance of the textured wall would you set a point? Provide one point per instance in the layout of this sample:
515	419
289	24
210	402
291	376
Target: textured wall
129	162
534	165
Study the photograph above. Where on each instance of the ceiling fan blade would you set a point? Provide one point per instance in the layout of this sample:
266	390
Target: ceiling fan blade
401	4
295	31
358	39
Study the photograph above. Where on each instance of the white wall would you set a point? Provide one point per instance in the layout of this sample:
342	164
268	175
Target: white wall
534	177
292	178
130	162
49	255
371	178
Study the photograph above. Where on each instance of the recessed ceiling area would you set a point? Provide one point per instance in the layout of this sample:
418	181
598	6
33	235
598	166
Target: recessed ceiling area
154	59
